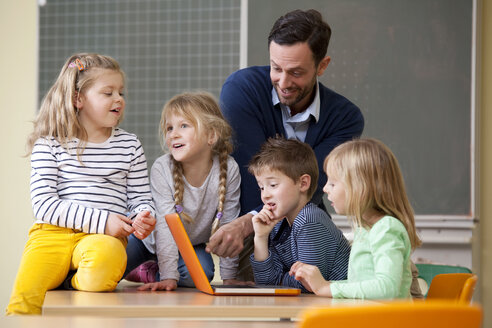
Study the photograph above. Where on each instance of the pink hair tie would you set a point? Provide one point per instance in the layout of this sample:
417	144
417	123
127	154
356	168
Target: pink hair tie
77	63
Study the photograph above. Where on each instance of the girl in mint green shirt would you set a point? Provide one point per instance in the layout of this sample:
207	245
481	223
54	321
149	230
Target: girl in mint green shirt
365	183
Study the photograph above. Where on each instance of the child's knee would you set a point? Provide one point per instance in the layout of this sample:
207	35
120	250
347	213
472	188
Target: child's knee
102	264
186	281
206	261
208	267
209	272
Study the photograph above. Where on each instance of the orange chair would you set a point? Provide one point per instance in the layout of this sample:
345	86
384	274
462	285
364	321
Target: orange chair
433	314
453	286
428	271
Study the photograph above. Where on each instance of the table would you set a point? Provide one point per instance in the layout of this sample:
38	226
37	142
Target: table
185	303
107	322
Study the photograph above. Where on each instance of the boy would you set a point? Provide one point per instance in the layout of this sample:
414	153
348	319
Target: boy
289	228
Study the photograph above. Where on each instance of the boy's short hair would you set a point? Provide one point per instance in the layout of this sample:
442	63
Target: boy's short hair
289	156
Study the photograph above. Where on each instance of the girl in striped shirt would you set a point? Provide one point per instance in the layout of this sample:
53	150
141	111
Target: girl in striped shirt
88	179
365	183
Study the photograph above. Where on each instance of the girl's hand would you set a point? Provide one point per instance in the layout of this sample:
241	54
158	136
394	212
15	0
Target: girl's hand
118	226
166	284
264	222
310	277
144	224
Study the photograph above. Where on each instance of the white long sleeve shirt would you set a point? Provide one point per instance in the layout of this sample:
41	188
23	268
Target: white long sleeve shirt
110	177
200	203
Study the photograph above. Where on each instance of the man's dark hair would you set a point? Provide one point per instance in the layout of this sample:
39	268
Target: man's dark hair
302	26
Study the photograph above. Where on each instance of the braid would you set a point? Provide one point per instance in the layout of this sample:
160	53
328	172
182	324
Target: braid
223	153
179	189
222	180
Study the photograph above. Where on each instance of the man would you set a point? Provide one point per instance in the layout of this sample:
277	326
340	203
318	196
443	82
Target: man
286	99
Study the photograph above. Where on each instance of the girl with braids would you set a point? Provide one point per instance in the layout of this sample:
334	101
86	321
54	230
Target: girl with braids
198	180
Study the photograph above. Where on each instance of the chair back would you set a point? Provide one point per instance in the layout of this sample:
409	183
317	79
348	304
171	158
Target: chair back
458	287
430	314
428	271
468	289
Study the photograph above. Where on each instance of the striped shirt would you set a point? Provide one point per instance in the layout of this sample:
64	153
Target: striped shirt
110	177
314	239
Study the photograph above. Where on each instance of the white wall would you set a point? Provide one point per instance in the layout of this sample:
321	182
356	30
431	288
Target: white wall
18	88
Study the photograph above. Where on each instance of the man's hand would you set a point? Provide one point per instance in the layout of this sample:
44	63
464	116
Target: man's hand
228	240
143	224
118	226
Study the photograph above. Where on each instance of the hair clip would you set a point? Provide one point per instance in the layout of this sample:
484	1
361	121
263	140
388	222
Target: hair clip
77	63
178	208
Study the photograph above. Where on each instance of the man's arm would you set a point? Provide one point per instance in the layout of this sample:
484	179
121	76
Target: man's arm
228	240
246	102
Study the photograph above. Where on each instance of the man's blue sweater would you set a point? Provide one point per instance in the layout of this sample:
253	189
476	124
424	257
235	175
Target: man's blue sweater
246	102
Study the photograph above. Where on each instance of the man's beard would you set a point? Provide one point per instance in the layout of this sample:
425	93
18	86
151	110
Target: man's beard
303	93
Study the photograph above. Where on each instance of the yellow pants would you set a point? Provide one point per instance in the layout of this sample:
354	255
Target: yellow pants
51	251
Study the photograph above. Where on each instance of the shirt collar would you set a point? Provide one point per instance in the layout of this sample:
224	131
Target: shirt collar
313	108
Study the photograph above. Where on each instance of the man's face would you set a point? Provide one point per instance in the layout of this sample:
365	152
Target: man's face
293	74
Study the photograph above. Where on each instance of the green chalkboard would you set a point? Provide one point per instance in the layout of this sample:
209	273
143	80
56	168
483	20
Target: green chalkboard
408	66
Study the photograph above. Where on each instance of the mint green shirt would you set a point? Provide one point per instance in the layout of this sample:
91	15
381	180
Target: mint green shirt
379	264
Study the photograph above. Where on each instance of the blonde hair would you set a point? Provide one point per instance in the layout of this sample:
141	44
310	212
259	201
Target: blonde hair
373	180
203	112
57	117
288	156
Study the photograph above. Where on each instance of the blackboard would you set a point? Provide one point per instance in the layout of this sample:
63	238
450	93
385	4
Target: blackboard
164	47
408	66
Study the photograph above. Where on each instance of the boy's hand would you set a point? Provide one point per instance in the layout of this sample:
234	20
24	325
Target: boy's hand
144	224
118	226
311	278
166	284
263	222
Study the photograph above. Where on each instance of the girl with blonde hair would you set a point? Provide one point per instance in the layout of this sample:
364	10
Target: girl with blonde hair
88	177
200	181
365	183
